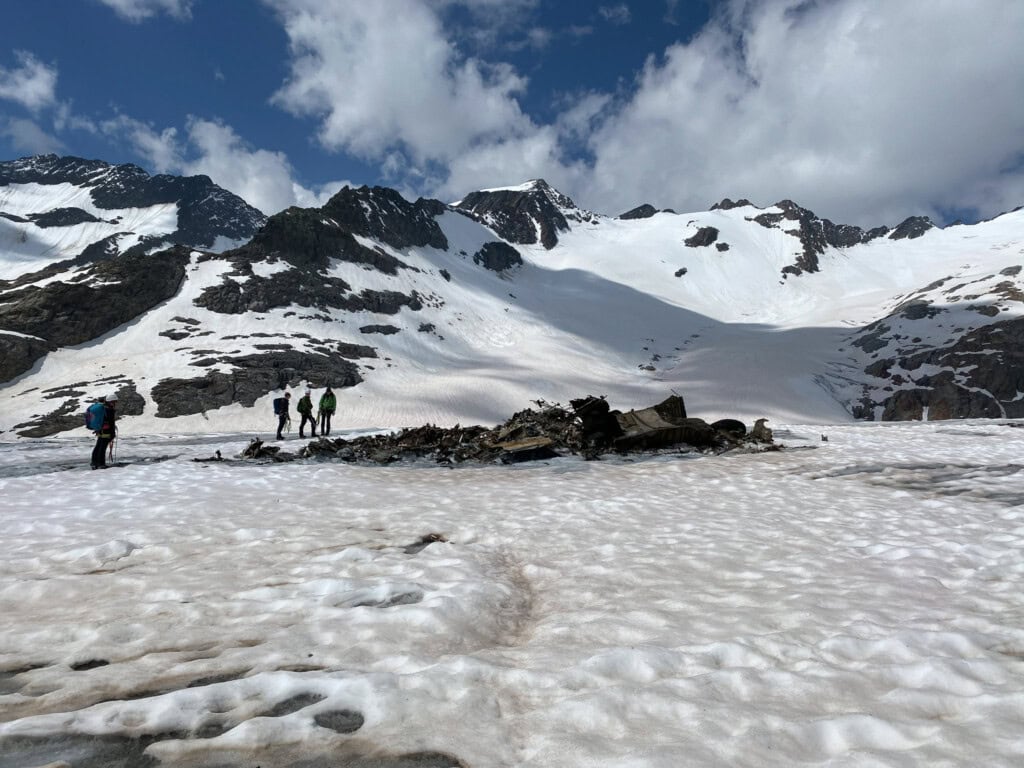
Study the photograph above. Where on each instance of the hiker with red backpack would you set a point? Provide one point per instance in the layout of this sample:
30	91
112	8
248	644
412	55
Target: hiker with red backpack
101	418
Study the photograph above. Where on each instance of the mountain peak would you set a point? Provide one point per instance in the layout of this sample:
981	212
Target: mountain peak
524	214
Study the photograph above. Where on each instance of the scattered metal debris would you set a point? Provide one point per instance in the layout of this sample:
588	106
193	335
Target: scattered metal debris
588	428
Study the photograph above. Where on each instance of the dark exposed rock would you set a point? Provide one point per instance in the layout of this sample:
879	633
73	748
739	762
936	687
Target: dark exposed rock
497	257
308	240
175	335
302	288
253	377
722	247
61	313
516	214
644	211
912	227
19	353
874	337
62	217
704	236
70	414
382	214
816	234
918	309
386	330
681	271
727	204
980	375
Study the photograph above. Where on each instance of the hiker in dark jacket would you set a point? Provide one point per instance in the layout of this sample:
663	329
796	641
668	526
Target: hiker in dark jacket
328	403
305	408
281	410
106	434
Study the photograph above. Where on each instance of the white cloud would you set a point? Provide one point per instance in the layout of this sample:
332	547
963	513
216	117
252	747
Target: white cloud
25	136
381	76
615	14
161	149
32	83
862	111
140	10
260	177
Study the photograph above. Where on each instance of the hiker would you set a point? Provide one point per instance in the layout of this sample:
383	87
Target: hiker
106	433
305	407
328	402
281	411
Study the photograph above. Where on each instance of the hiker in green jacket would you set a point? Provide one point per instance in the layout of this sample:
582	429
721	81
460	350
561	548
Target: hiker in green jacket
328	403
305	408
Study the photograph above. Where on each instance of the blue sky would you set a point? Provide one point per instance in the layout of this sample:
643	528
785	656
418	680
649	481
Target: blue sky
864	111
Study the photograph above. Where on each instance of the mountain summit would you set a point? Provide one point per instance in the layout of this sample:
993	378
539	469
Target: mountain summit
54	208
529	213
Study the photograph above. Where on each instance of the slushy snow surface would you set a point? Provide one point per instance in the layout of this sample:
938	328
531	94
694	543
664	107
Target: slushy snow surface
855	602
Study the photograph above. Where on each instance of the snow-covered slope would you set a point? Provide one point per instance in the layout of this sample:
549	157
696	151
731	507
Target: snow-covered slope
420	312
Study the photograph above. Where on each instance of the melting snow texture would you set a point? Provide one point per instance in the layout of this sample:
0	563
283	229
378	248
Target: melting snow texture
854	602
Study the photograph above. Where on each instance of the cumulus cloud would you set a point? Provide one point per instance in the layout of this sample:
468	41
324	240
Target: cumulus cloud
31	83
160	148
140	10
865	112
261	177
27	137
854	108
383	76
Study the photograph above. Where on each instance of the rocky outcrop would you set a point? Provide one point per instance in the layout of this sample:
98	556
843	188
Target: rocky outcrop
727	205
382	214
497	257
62	217
704	236
70	414
19	353
644	211
95	302
980	375
814	234
253	377
524	215
910	228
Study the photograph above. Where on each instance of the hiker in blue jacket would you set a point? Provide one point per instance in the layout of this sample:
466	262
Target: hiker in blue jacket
107	432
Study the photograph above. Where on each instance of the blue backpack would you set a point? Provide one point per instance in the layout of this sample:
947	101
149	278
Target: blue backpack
280	406
94	416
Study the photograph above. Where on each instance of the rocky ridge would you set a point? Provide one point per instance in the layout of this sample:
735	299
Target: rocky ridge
205	211
352	287
532	213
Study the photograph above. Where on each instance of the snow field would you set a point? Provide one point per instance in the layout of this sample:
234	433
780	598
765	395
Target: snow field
854	602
